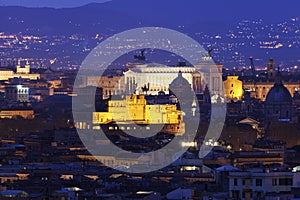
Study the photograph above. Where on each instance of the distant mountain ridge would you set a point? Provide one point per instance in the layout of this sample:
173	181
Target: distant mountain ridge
118	15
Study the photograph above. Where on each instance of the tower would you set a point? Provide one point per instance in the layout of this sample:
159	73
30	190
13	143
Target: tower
18	65
271	70
23	70
27	67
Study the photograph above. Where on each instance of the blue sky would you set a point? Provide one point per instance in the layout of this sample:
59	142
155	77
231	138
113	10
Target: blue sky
48	3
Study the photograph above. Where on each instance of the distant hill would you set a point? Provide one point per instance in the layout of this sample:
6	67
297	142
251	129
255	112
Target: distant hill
118	15
88	19
233	28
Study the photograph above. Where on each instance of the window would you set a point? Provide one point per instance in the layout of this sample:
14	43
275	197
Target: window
244	182
258	182
243	195
235	182
285	181
236	194
274	181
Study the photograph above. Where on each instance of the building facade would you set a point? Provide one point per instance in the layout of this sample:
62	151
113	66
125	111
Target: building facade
260	185
233	88
13	113
132	110
17	93
157	78
111	85
154	78
21	72
260	90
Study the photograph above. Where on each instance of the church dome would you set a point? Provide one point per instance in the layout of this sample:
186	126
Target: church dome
279	94
279	102
179	81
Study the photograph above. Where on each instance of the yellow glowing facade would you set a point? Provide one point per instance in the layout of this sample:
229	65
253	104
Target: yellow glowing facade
134	108
233	88
10	114
22	72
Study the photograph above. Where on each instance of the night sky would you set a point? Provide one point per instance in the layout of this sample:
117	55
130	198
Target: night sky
48	3
220	9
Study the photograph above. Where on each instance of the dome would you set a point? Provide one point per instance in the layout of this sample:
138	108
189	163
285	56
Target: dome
279	94
279	102
182	90
179	81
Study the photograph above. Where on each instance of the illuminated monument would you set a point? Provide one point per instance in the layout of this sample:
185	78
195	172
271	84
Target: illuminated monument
127	110
158	78
131	112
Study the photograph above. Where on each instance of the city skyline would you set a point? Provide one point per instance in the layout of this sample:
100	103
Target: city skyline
149	99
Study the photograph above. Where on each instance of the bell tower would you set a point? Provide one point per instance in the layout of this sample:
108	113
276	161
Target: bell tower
271	70
23	70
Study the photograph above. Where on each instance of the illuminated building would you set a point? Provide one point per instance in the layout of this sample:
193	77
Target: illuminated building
22	72
13	113
17	93
133	110
156	77
111	85
260	90
6	74
211	76
233	88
